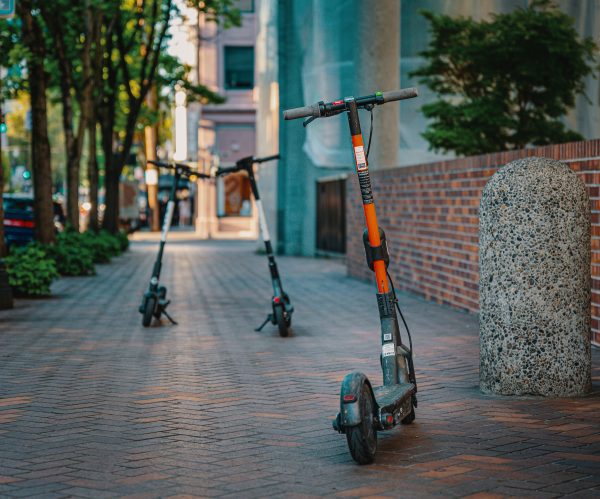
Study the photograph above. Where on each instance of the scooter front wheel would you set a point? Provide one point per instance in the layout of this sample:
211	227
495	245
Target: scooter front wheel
362	438
149	307
282	323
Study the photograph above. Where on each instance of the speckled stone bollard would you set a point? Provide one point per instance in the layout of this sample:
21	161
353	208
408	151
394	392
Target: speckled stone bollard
534	258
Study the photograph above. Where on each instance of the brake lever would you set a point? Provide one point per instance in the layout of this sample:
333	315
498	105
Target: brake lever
307	122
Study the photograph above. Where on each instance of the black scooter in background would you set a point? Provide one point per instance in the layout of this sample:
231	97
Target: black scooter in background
281	315
154	302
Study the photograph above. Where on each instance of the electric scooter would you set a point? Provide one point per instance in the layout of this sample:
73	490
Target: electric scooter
282	308
365	409
154	302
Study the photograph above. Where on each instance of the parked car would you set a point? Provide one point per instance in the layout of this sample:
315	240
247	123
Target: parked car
18	218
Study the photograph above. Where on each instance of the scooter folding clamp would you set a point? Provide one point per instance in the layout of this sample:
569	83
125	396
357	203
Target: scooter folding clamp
374	253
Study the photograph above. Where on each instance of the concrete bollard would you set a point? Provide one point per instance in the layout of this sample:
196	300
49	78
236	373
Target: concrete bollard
534	260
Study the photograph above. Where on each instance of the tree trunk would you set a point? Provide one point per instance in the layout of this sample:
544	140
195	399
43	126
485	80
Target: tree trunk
72	159
111	200
114	169
107	117
93	69
68	85
33	39
2	245
93	173
151	136
110	221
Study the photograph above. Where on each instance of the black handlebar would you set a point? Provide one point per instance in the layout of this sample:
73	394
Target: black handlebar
184	169
244	164
324	110
266	158
226	169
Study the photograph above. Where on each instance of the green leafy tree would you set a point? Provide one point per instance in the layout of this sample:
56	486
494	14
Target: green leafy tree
135	47
71	32
101	57
503	83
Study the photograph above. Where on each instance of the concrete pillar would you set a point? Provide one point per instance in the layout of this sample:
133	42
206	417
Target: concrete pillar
205	197
534	255
378	68
267	109
151	139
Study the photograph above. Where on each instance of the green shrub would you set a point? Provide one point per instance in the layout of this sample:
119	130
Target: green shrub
112	241
30	270
71	255
102	245
99	246
123	240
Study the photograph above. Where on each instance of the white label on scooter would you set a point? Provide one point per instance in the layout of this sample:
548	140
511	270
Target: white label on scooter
361	162
387	337
387	349
262	221
167	221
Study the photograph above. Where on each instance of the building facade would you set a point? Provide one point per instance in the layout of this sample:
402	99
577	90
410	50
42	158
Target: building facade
321	50
220	134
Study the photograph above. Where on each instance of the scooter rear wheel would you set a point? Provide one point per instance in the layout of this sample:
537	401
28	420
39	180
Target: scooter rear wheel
149	307
362	438
282	323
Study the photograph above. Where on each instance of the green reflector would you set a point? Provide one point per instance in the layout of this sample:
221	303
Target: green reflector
378	93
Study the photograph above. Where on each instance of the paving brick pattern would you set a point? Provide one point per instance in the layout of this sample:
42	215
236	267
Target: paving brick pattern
94	405
430	213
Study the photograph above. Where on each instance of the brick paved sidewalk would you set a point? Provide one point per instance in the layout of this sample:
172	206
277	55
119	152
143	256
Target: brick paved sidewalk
94	405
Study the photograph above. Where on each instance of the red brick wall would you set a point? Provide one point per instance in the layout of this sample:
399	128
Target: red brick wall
430	213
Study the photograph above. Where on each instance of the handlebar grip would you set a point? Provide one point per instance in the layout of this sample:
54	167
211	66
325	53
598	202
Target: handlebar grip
267	158
226	169
405	93
302	112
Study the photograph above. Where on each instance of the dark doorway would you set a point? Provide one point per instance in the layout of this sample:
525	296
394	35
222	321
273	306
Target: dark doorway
331	215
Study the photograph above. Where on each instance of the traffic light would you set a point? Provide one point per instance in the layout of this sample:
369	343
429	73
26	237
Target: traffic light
3	127
26	175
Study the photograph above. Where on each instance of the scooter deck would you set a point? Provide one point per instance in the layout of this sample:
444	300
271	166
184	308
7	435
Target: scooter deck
390	398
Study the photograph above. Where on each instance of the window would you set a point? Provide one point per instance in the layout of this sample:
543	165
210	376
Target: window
245	5
239	68
234	196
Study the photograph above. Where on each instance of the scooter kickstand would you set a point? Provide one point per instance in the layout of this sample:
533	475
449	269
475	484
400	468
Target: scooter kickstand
173	321
267	320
